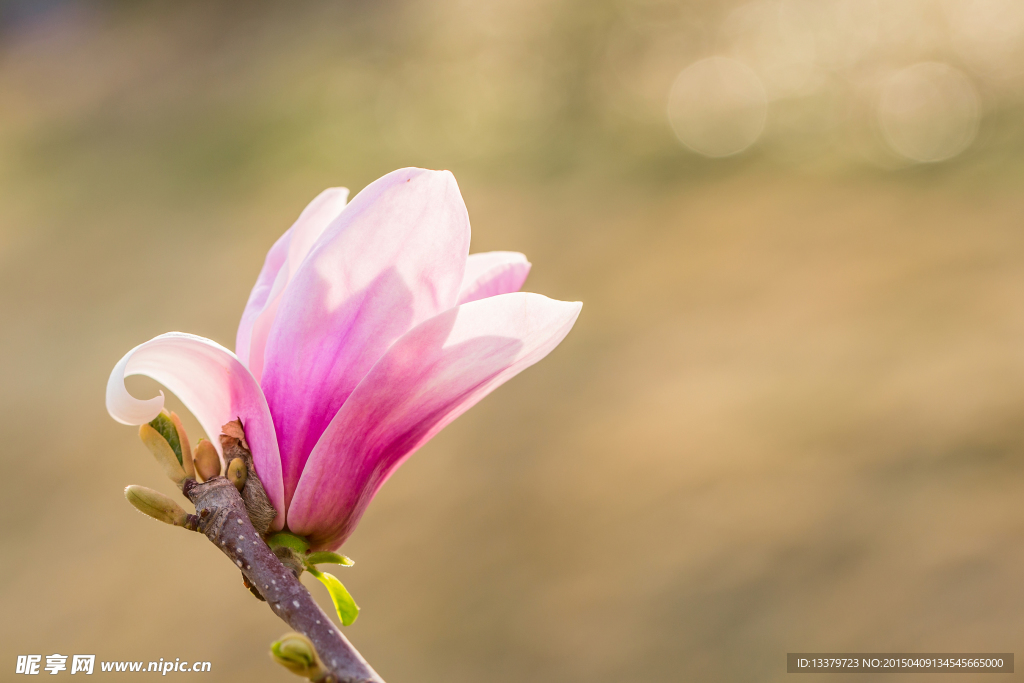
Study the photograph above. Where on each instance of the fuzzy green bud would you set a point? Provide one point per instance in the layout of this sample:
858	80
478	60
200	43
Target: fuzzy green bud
237	472
155	504
207	462
163	452
165	425
296	653
186	449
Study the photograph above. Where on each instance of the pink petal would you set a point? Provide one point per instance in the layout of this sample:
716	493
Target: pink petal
392	259
261	294
492	273
428	378
214	385
282	262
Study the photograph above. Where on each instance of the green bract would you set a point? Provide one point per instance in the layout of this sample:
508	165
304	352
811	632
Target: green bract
326	557
283	539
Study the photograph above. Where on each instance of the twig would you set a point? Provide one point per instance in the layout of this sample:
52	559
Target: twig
221	516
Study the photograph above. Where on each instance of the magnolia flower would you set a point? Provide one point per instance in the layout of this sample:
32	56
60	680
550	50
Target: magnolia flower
369	329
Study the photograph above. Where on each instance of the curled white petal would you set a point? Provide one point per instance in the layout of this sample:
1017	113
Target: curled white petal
124	407
213	384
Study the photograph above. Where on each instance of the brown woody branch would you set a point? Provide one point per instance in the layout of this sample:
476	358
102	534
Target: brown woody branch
222	517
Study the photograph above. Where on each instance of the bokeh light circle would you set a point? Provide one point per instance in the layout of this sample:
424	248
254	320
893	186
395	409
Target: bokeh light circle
717	107
929	112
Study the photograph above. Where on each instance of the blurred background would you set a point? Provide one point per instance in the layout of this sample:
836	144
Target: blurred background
790	417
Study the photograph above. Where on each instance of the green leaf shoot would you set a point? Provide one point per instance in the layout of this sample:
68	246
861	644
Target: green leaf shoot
344	605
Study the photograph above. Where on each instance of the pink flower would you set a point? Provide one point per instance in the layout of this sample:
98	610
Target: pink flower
369	329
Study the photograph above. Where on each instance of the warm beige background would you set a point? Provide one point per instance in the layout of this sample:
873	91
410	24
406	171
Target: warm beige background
791	416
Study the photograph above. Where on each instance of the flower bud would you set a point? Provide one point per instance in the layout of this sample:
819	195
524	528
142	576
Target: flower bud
236	473
155	504
186	449
165	425
164	454
296	653
207	461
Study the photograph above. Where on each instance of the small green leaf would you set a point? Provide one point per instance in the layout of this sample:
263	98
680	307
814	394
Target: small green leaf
163	424
346	607
324	557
